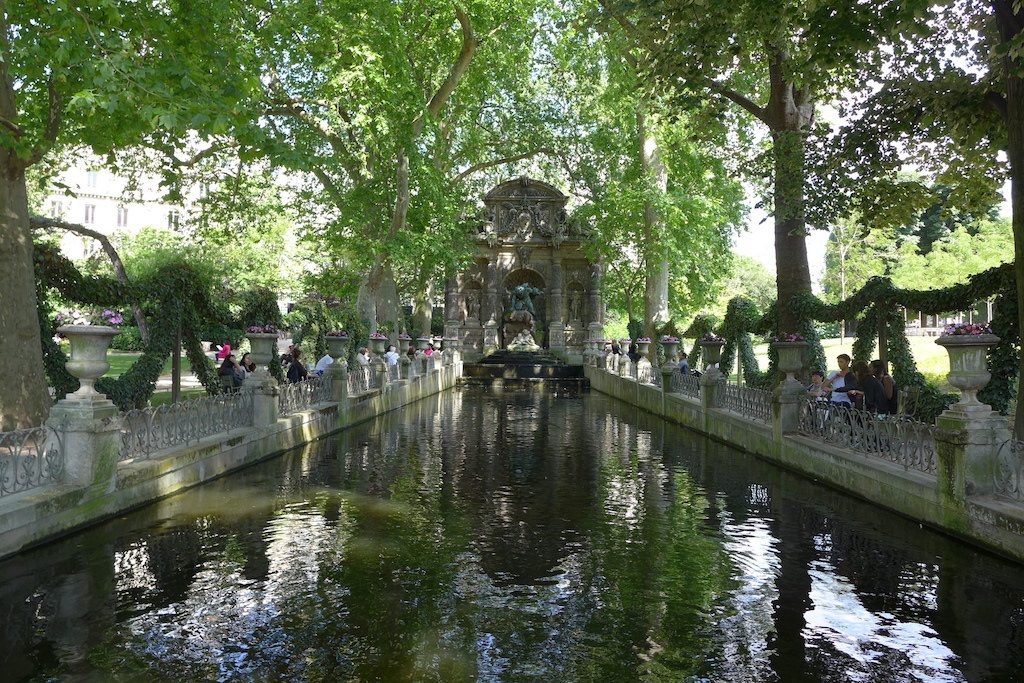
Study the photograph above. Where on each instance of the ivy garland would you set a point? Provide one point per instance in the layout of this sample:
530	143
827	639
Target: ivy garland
175	296
878	305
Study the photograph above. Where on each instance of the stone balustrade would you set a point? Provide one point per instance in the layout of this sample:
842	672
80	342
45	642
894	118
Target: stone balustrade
90	461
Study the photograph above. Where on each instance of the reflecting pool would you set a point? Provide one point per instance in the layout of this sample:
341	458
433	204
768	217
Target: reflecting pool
512	537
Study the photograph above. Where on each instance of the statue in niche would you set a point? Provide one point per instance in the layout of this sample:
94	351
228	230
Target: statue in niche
575	305
472	305
521	301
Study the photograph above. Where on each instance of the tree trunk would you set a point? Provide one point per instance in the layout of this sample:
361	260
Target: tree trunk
176	367
793	276
656	260
24	401
1011	24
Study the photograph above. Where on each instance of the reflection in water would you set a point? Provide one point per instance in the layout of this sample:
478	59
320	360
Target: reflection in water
512	537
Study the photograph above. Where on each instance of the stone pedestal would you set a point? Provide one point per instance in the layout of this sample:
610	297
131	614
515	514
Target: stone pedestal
338	374
490	337
666	377
970	432
91	432
265	393
556	336
791	393
968	443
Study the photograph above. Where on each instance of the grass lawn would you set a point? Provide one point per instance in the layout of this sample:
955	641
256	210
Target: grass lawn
120	361
931	358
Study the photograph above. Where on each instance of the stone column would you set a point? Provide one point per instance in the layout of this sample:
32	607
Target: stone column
493	312
556	328
451	307
596	326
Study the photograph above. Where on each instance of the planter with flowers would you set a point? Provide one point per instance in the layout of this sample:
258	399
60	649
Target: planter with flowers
671	345
422	343
89	344
644	346
337	344
790	347
711	348
377	341
262	344
403	342
967	346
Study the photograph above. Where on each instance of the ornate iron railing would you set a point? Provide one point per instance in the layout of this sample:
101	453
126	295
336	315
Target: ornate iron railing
1008	476
303	395
688	385
30	458
149	430
754	403
901	440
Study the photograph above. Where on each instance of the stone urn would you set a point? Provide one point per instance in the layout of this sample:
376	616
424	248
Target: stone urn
403	343
968	369
711	351
89	344
624	345
337	346
791	361
421	343
671	349
263	347
378	343
644	347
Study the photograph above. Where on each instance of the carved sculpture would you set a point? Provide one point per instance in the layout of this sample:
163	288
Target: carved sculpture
521	300
472	304
575	305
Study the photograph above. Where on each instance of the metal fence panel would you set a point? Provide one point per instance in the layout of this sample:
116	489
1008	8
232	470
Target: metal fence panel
30	458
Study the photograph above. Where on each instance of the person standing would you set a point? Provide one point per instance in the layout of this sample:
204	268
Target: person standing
684	365
391	356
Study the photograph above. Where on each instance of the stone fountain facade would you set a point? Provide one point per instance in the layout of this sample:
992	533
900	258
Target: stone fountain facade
526	240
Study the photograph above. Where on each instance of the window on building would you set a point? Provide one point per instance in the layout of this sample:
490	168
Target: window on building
56	209
90	214
173	220
91	178
122	216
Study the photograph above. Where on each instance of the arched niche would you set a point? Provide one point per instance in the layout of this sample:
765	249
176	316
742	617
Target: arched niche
510	329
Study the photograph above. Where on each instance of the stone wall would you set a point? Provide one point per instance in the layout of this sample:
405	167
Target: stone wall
34	516
942	500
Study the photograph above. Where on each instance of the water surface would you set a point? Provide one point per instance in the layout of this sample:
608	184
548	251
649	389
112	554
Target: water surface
516	537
